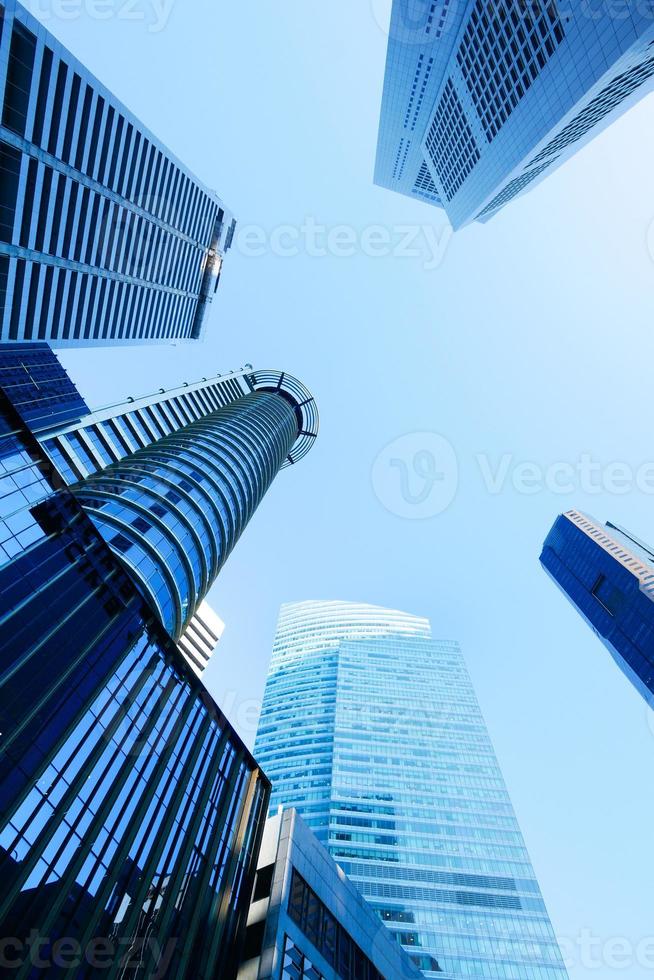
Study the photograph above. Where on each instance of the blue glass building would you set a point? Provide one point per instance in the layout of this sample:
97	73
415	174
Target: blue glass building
371	729
608	574
483	98
105	237
130	811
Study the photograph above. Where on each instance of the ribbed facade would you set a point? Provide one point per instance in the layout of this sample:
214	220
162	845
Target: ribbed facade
105	237
370	728
483	99
175	510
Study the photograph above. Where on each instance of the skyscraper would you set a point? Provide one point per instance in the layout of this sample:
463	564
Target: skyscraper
130	811
608	574
371	729
105	237
483	98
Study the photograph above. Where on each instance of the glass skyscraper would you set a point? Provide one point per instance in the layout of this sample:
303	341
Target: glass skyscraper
105	237
608	574
370	728
130	811
483	98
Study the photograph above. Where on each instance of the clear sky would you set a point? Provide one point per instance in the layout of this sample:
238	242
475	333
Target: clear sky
530	342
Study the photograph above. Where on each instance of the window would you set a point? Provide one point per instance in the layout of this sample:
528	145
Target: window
141	525
264	879
608	595
57	106
19	79
254	940
42	97
9	175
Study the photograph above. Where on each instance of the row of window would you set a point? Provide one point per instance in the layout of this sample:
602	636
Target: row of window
51	302
326	934
70	120
52	213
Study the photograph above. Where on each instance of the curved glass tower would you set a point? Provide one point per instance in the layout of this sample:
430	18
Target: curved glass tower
371	729
174	509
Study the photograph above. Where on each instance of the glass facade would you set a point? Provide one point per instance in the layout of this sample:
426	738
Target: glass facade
481	101
609	576
371	729
130	812
174	511
105	237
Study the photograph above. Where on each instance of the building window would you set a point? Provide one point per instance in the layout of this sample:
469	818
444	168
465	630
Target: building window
326	934
9	176
608	595
263	883
19	79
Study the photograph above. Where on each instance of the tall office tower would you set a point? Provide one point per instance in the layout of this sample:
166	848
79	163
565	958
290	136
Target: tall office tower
130	811
483	99
370	728
608	574
105	237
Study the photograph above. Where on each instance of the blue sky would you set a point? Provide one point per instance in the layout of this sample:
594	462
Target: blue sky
530	343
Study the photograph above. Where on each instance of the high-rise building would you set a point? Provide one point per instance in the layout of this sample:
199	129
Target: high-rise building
370	728
484	98
130	811
105	237
608	574
307	921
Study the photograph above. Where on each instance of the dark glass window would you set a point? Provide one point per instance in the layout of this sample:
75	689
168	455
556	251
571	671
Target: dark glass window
325	933
58	210
264	880
43	208
608	595
83	127
28	202
4	276
108	130
42	96
141	525
253	940
45	304
18	295
19	79
57	107
71	118
95	135
70	217
31	300
9	174
116	150
121	543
